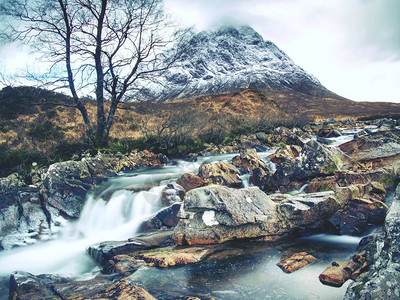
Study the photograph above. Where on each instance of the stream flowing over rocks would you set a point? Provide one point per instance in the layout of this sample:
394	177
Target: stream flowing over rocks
220	226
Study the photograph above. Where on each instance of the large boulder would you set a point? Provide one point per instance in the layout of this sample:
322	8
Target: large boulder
382	281
216	214
220	173
314	160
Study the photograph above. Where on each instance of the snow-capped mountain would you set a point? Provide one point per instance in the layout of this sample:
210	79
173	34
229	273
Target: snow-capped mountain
230	59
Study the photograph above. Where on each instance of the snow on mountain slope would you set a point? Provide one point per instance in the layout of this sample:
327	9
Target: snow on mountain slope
230	59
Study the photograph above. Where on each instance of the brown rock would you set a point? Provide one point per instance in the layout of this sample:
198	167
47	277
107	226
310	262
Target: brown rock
336	274
321	185
378	149
247	160
258	177
286	153
124	290
339	272
345	178
296	262
220	173
168	257
189	181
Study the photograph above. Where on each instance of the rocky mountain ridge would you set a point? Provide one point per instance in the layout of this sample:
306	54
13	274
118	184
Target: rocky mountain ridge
230	59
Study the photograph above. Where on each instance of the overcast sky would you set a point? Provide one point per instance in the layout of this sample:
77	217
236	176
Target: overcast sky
351	46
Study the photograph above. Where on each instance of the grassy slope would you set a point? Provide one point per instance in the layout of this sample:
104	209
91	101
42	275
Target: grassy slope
36	126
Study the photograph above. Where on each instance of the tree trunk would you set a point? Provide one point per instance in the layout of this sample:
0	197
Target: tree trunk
101	137
71	82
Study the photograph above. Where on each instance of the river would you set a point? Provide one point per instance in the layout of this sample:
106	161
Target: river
113	211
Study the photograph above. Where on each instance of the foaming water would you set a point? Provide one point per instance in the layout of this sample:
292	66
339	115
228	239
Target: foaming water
113	211
340	241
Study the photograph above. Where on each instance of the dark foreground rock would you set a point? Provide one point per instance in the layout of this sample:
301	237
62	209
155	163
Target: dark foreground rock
382	281
217	214
25	286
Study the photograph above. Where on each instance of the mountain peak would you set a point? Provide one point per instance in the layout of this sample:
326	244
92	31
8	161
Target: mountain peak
228	59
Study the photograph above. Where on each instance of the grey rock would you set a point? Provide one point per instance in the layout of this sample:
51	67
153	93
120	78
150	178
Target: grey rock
25	286
166	217
23	215
104	251
215	214
382	281
314	160
220	173
66	185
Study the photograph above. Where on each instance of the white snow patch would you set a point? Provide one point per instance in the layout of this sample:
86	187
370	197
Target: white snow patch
248	199
209	218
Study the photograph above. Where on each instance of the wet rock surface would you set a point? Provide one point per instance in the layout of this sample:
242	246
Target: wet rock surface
377	148
340	271
23	214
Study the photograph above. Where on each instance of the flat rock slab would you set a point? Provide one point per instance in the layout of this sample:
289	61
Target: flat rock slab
104	251
374	146
296	262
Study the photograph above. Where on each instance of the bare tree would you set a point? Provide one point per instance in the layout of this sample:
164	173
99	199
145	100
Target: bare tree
103	45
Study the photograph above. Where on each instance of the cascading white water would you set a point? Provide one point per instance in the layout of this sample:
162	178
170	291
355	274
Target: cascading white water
112	212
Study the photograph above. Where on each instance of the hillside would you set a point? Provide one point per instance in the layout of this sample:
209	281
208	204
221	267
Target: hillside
42	126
